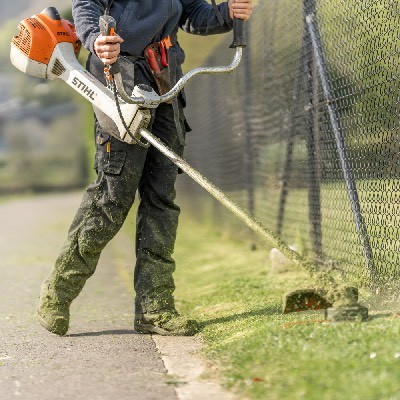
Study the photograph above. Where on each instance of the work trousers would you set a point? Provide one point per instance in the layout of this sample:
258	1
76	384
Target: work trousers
123	170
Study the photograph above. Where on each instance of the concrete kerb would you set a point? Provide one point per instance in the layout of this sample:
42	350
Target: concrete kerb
186	369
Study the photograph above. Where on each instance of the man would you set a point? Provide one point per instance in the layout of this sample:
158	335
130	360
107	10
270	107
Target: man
123	169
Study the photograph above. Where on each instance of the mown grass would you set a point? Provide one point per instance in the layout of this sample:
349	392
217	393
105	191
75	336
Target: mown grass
263	354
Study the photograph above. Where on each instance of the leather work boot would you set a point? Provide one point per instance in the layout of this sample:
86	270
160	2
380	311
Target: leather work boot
166	324
51	314
55	321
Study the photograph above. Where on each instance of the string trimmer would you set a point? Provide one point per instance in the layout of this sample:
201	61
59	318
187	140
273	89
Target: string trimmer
47	47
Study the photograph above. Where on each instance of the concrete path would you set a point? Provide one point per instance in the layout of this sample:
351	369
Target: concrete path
101	357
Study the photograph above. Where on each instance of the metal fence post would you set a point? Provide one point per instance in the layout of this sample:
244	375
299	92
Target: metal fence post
312	124
334	116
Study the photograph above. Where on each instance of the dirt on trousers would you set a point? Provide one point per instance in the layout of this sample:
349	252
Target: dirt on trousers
101	357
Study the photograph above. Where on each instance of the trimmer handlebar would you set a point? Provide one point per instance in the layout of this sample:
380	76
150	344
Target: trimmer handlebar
149	98
205	70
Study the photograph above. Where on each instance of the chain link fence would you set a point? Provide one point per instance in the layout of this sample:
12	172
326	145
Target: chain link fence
305	135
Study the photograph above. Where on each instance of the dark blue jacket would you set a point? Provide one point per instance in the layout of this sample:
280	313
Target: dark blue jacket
141	22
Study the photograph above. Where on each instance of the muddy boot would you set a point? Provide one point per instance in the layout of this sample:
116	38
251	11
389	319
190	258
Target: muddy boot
166	324
51	313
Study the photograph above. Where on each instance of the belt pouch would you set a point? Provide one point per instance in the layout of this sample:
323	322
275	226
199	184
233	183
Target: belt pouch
160	74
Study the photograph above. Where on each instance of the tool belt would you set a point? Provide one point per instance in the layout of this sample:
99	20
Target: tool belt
156	55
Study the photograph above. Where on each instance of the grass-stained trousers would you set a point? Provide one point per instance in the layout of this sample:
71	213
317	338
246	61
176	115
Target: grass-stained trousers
123	170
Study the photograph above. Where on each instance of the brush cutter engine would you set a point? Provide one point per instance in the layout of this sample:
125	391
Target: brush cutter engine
47	47
43	43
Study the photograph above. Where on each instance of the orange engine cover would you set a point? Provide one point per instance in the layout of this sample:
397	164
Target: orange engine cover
39	35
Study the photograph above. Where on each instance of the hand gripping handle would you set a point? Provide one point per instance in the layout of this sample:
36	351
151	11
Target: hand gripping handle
107	26
239	39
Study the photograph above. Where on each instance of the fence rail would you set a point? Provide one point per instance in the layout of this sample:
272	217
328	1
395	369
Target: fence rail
305	135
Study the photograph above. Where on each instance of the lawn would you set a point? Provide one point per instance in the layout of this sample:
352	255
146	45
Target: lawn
263	354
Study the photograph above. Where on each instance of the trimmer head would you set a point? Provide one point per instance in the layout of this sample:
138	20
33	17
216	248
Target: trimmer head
32	49
305	299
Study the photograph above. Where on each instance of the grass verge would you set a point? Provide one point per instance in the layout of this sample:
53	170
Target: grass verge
264	354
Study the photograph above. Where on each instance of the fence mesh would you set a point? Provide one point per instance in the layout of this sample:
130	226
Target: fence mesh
305	135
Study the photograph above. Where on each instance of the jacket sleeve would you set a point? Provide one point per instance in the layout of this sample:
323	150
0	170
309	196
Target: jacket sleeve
86	14
198	17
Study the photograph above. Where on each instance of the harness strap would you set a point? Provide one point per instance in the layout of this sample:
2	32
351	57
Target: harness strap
175	102
218	13
107	11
